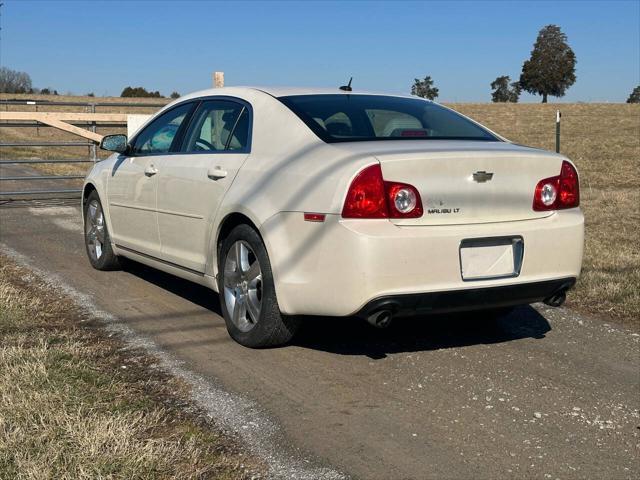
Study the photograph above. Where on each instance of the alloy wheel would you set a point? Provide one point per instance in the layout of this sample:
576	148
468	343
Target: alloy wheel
95	229
242	286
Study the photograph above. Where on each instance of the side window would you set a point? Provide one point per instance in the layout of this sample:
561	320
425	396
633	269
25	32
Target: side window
160	134
240	135
218	125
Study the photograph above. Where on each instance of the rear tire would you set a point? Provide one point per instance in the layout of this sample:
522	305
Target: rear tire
247	292
97	240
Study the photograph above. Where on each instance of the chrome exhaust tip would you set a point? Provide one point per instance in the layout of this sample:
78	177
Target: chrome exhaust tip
381	318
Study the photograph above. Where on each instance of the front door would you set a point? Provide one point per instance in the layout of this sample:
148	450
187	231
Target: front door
133	183
194	181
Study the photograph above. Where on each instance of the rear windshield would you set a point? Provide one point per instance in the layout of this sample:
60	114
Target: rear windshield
351	118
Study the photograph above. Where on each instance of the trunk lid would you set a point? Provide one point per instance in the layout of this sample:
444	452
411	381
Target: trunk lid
466	182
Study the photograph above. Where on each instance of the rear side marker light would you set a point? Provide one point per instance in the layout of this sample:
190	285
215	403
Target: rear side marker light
370	196
559	192
314	217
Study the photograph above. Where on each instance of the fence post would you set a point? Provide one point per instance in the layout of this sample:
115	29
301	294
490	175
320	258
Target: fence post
218	79
558	116
94	149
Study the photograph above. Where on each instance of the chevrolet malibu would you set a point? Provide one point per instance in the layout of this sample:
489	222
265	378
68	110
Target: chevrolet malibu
292	202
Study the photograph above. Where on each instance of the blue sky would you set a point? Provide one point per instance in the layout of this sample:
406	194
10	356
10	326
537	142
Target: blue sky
101	47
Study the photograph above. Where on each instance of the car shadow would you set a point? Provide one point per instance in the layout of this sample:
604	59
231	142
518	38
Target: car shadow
197	294
354	336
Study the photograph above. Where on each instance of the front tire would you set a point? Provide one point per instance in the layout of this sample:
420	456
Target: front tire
247	292
96	236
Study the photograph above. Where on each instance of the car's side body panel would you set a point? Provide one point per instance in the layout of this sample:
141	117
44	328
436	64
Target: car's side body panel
188	202
131	196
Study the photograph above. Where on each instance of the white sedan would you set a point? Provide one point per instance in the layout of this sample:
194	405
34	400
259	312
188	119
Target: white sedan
292	202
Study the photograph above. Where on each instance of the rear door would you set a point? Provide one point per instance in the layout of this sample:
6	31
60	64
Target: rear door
133	182
194	181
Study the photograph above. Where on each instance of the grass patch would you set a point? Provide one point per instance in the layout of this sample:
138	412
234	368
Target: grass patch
75	404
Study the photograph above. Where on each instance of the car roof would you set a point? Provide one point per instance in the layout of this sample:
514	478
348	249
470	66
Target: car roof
287	91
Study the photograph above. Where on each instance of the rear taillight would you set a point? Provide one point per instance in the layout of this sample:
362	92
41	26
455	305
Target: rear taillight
365	198
556	193
403	199
569	196
370	196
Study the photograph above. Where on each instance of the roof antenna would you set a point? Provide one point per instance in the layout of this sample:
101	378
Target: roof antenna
347	87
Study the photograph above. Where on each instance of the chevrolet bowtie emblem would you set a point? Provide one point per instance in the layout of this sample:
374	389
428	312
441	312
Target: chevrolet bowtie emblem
482	176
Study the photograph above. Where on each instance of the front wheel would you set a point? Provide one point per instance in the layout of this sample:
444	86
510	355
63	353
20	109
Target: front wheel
96	236
247	292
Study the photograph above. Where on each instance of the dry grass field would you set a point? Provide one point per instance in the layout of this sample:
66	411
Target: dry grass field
602	139
75	403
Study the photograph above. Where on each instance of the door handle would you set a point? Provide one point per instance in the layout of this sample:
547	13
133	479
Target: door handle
216	173
150	171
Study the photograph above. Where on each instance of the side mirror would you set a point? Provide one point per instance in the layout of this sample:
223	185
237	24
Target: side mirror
114	143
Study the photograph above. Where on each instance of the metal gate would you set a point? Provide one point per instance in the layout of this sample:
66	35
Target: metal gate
52	181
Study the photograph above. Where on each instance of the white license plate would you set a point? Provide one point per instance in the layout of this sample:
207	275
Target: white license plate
484	259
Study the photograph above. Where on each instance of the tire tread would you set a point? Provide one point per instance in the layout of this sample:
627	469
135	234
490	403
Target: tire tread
273	328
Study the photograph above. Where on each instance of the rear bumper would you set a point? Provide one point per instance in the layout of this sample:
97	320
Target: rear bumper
468	299
338	267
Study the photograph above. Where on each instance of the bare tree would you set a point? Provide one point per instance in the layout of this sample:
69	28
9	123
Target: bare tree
12	81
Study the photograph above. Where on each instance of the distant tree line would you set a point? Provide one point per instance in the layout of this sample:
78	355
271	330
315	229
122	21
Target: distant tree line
549	71
139	92
13	81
